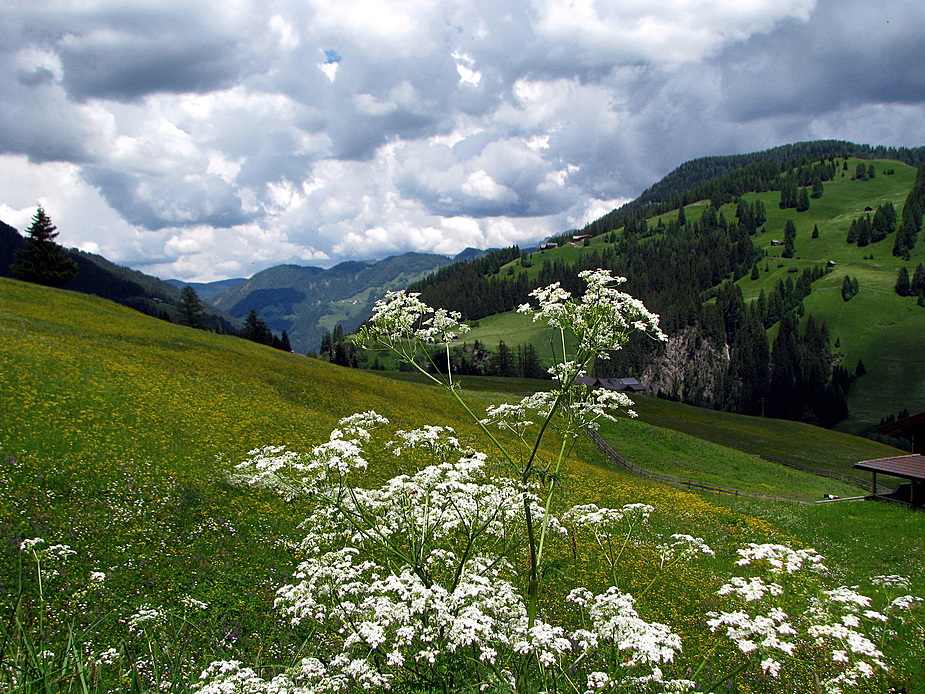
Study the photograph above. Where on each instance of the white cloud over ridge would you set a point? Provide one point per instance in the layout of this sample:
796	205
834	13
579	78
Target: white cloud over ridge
214	139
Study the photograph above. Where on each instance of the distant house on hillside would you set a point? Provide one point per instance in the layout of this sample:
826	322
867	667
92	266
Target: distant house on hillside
627	383
580	237
550	244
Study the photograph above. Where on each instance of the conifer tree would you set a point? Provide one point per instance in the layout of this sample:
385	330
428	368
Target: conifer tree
790	235
918	281
41	260
256	329
802	200
788	193
817	188
760	212
190	308
903	287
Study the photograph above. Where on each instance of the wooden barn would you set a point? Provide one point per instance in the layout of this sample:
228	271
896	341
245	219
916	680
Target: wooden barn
909	467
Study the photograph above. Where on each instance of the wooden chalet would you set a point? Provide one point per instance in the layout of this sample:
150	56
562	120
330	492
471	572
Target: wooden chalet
910	467
912	428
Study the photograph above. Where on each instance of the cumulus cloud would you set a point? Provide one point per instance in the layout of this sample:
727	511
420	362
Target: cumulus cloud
213	139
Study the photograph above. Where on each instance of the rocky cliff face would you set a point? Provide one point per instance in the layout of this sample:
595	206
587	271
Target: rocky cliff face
690	369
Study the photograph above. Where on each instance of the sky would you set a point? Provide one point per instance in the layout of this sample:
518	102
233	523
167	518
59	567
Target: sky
208	139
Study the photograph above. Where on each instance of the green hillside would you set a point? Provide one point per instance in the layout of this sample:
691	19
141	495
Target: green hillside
119	432
876	326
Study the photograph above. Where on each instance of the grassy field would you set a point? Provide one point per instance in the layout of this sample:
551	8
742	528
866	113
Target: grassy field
119	432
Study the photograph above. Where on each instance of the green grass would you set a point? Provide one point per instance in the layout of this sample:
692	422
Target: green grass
119	430
778	438
686	456
517	329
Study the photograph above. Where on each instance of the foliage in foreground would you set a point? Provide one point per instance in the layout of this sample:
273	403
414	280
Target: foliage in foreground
444	577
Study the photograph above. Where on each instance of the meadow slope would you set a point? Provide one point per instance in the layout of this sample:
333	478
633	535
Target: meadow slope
119	432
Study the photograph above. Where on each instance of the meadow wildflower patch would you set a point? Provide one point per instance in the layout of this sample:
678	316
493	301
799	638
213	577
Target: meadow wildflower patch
122	446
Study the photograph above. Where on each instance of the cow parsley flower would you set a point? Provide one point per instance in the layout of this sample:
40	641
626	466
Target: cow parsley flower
601	319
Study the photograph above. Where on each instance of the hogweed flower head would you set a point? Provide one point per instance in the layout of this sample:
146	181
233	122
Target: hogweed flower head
401	315
601	319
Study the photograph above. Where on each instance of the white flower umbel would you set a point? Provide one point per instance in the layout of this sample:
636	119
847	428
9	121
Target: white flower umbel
433	579
835	623
602	319
401	316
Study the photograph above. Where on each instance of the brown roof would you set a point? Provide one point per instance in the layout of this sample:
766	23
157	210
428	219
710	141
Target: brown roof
908	466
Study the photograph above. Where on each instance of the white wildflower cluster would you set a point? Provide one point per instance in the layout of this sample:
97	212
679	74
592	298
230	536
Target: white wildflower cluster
781	559
434	508
108	657
618	639
614	620
291	474
838	621
519	417
146	616
891	581
47	558
422	576
439	439
608	522
193	603
683	546
601	319
577	407
403	316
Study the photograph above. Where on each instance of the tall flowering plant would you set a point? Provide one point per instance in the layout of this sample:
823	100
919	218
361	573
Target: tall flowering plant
434	580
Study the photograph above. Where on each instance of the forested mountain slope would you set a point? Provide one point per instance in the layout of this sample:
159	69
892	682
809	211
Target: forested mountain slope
307	301
98	276
779	289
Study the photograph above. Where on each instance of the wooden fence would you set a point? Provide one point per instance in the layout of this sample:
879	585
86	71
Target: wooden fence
679	481
841	477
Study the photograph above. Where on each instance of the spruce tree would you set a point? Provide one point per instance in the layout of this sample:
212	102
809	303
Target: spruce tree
802	200
790	235
918	281
41	260
256	329
760	212
817	189
190	308
903	286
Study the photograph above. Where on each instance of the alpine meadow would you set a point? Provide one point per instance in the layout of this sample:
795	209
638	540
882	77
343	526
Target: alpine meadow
465	510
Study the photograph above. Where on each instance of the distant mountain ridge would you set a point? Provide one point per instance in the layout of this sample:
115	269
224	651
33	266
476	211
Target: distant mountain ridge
307	301
207	291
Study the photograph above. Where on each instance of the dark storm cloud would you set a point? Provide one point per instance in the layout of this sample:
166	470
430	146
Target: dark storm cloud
850	53
132	66
159	202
